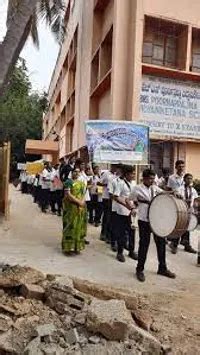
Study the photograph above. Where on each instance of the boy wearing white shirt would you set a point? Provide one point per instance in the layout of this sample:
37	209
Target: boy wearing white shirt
142	196
189	194
45	186
122	192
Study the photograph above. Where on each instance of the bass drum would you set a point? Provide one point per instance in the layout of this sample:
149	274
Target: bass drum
168	216
193	222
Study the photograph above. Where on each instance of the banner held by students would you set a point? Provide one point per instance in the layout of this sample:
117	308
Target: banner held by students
115	142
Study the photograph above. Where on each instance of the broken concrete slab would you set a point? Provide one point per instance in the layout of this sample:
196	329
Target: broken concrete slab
33	347
32	291
44	330
17	275
109	318
144	338
5	323
72	336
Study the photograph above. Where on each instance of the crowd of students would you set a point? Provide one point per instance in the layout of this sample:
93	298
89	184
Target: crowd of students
110	199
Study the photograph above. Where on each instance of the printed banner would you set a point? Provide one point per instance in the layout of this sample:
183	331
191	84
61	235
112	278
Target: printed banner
170	107
115	142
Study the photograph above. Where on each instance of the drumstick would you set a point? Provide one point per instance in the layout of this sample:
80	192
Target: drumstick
198	253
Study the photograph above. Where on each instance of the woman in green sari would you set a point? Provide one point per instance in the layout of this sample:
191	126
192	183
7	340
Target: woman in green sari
74	215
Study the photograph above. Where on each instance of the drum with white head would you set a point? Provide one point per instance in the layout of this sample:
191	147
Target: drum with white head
168	216
193	222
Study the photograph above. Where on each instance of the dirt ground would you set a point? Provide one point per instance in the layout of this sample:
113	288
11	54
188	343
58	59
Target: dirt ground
34	239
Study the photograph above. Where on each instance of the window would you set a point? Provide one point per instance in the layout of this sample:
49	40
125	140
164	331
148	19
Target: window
195	62
162	41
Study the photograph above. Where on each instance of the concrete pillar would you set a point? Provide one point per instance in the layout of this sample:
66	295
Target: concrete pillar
120	58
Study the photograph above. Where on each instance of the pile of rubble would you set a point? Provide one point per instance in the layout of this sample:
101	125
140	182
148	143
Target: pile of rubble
55	315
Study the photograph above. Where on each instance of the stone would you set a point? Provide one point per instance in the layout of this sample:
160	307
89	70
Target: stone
17	275
83	340
44	330
148	341
142	319
51	349
71	336
94	340
51	277
104	292
32	291
33	347
166	348
6	344
109	318
80	318
2	293
5	323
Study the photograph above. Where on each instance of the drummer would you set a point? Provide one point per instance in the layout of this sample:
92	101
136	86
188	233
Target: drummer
189	194
142	196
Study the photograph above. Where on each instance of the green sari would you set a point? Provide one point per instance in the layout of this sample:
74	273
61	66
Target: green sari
74	218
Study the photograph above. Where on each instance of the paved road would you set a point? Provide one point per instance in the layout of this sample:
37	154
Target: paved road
32	238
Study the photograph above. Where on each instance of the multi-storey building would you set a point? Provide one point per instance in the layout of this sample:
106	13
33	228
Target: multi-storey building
133	60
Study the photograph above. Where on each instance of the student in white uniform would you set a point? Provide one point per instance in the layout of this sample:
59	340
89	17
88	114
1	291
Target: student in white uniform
189	194
106	177
176	181
142	196
45	186
122	192
112	187
23	180
95	206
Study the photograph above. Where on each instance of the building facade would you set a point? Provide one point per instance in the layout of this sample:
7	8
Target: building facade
133	60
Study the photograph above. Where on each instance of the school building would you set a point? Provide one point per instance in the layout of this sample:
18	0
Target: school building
133	60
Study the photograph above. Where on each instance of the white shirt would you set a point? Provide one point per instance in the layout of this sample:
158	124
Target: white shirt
46	184
94	188
124	189
192	194
175	181
85	178
144	193
113	187
105	179
23	176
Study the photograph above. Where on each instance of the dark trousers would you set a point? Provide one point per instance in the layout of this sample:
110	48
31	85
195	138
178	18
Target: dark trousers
113	228
144	241
123	228
106	221
185	240
59	199
39	195
53	201
45	193
95	209
24	187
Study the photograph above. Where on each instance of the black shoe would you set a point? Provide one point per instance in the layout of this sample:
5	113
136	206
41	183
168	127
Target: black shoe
133	255
190	250
167	273
114	248
174	249
87	242
97	224
91	222
102	237
140	276
121	258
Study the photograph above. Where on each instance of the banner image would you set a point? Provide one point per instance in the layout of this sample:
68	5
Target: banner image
115	142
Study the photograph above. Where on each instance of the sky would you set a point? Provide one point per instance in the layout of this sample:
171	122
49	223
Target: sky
40	62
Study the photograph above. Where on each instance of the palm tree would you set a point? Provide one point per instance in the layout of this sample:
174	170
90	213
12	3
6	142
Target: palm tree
22	20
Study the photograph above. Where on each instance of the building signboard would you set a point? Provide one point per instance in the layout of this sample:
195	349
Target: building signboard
117	142
170	107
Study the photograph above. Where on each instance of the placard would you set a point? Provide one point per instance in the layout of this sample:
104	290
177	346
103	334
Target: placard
115	142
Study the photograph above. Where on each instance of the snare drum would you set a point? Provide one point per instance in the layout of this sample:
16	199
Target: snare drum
193	222
168	216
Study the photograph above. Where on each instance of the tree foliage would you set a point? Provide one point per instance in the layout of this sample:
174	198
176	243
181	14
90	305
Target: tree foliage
21	111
